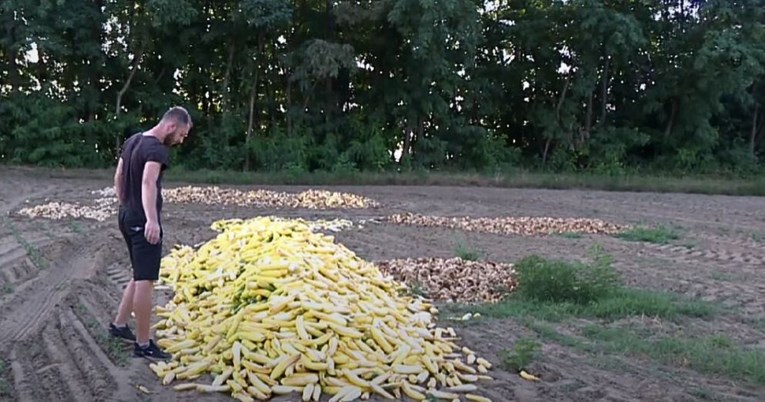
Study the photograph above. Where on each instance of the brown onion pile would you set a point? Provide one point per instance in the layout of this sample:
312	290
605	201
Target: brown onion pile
524	226
454	279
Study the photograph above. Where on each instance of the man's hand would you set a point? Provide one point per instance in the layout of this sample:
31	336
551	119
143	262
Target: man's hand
151	232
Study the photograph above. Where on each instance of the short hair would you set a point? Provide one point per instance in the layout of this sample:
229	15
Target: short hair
179	115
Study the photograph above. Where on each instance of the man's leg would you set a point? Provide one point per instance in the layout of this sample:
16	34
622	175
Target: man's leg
147	258
126	305
142	305
119	327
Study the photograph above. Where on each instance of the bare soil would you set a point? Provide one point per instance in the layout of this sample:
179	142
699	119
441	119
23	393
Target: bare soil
60	283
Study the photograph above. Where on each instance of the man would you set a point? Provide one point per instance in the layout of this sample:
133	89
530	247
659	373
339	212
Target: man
138	184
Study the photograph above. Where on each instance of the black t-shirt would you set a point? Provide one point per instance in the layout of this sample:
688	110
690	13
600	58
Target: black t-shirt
136	151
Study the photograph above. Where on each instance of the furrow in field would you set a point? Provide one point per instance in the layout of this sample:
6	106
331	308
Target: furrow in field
22	271
24	377
72	378
39	374
29	311
87	356
10	274
5	278
724	256
118	274
723	282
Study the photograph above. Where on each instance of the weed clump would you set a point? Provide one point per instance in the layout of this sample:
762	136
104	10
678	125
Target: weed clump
543	280
524	352
657	235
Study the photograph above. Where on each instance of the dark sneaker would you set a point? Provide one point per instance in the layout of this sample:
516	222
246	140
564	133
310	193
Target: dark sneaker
151	352
123	333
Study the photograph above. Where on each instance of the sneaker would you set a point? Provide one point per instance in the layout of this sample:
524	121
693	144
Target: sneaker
151	352
123	333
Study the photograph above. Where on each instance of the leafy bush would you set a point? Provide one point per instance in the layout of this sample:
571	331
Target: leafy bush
559	281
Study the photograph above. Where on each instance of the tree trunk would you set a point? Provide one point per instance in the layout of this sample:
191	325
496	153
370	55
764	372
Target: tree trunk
248	138
587	122
604	92
420	132
123	90
289	106
253	96
227	77
755	129
558	107
546	151
672	117
408	132
330	36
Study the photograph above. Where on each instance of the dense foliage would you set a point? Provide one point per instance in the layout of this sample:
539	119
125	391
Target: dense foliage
303	85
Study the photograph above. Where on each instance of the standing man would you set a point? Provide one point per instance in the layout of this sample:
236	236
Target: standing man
138	184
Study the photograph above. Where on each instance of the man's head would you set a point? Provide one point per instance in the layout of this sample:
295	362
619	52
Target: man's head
175	125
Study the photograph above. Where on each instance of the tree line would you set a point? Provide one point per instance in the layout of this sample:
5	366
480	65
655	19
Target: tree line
306	85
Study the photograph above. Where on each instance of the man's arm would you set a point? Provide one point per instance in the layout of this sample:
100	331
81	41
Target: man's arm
149	190
118	181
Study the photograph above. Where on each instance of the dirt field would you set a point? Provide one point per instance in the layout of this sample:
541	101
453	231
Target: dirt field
60	283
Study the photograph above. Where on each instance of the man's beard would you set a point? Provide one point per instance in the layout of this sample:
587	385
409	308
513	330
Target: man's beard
171	139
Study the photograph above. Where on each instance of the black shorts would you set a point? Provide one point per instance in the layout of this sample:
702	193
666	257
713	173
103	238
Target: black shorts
145	257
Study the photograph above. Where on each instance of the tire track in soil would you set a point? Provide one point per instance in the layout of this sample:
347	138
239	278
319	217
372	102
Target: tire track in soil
727	257
63	356
692	274
73	379
37	377
24	390
16	265
566	375
755	248
19	272
741	260
91	297
29	311
118	275
88	357
97	295
5	278
58	365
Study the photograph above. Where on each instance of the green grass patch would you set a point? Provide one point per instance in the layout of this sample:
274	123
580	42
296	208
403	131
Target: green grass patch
657	235
622	302
638	182
554	290
32	252
710	355
524	352
717	355
543	280
6	389
546	331
7	288
560	301
76	227
416	289
722	276
467	253
570	235
704	394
